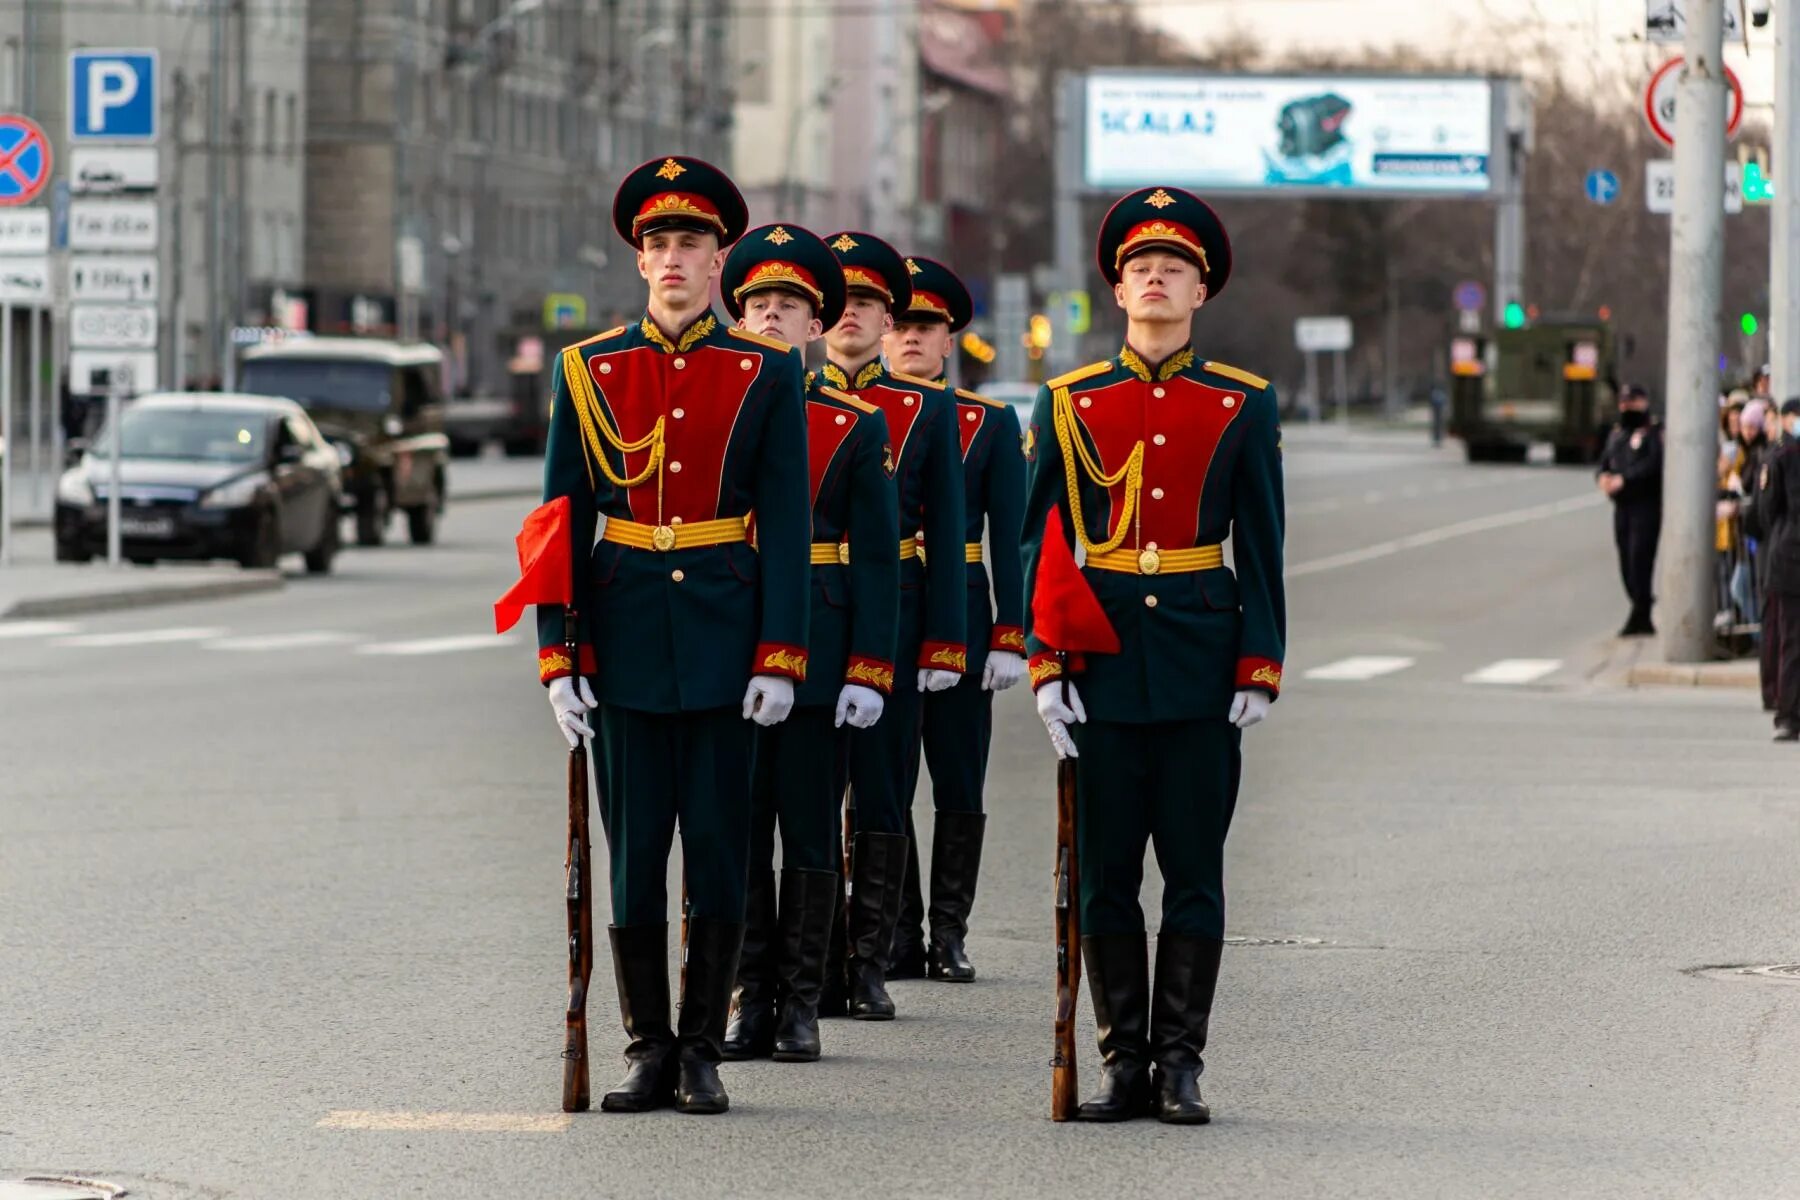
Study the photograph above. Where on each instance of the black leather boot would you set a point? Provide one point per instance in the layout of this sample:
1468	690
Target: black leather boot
641	970
907	959
1118	967
834	1001
808	902
705	995
874	908
955	863
751	1032
1187	974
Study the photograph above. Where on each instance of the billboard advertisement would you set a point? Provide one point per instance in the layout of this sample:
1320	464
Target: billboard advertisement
1396	134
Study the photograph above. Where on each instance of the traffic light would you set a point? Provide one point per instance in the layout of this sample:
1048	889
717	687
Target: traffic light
1757	187
1747	323
1515	315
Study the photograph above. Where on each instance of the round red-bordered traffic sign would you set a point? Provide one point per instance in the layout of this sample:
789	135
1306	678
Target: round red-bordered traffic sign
25	160
1659	102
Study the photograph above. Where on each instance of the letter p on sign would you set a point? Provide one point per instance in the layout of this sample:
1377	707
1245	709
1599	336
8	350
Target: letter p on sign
112	96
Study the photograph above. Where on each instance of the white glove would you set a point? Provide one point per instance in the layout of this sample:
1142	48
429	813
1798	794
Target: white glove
858	706
1249	708
1003	669
769	699
1056	715
937	681
572	700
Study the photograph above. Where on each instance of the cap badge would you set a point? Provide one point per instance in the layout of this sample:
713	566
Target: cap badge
1159	199
844	242
780	236
670	170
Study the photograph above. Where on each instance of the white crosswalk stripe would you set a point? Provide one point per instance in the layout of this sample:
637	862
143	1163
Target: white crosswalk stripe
1514	671
442	645
301	640
33	629
1359	668
139	637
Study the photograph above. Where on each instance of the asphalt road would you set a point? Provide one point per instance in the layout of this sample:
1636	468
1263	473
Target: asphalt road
278	871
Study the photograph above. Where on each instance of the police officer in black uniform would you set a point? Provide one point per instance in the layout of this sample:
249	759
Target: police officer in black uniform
1630	473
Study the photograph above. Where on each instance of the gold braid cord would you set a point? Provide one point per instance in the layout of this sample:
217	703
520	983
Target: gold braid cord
596	429
1075	452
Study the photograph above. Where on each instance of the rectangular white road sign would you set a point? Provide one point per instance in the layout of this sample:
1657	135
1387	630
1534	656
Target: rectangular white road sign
112	326
25	281
112	225
1666	21
111	170
93	372
1322	333
1659	186
112	277
24	231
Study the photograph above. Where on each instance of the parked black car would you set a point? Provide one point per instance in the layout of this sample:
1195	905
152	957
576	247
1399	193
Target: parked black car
381	403
205	475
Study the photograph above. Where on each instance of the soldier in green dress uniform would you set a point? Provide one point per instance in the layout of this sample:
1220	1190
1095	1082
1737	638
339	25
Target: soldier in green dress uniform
665	435
781	282
1153	458
921	418
959	723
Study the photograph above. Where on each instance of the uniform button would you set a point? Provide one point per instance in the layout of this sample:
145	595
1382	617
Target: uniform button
1156	493
745	364
1158	393
606	368
842	419
679	413
1086	402
1230	402
674	520
677	575
675	467
911	400
1149	601
680	363
1149	545
968	416
1159	439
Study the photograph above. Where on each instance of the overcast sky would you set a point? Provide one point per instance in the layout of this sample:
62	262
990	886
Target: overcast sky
1605	28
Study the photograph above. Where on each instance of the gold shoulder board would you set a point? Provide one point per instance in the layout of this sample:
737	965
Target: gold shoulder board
600	337
1237	373
846	398
1078	374
978	398
759	339
933	384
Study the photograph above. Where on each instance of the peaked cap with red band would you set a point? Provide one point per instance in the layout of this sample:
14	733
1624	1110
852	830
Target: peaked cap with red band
1165	218
872	266
937	295
787	257
679	193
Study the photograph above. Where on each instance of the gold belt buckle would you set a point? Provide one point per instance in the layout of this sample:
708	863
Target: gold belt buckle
844	553
1149	562
662	538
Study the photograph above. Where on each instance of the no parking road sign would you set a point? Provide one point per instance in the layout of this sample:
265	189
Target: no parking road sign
24	159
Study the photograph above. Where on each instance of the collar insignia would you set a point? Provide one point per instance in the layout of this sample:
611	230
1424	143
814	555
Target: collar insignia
868	375
834	375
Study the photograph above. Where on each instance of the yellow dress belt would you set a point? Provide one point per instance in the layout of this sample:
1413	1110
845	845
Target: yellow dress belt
675	535
1158	562
839	552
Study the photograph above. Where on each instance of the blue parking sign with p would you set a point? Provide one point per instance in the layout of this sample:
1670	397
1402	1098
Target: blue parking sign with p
112	96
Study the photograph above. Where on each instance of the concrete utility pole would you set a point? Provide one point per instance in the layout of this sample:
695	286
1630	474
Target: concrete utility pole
1784	221
1696	259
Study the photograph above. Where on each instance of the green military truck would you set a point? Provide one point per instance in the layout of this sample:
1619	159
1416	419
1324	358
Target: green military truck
1550	381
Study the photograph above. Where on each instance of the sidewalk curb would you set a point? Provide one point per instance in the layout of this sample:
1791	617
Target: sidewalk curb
145	596
1701	675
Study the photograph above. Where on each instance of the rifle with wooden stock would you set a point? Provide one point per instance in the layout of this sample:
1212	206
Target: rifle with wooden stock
1064	1083
578	867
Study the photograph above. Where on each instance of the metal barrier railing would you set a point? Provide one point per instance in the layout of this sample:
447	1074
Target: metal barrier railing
1737	615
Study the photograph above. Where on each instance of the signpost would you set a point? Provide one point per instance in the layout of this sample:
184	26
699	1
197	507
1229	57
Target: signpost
1318	335
25	162
1659	101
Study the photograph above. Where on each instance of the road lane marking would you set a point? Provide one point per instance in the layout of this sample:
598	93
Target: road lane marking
26	629
442	645
1359	668
1514	671
282	641
140	637
1445	533
446	1122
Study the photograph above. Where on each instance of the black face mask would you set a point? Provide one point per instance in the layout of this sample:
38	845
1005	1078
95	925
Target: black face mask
1633	418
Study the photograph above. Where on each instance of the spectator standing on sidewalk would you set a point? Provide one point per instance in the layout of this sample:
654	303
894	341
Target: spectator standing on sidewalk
1781	492
1631	476
1781	433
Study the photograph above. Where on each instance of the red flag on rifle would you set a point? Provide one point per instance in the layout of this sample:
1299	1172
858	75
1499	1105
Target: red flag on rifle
1065	613
545	576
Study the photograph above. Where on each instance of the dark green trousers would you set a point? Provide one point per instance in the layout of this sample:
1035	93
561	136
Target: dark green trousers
958	726
884	760
1171	785
663	770
799	786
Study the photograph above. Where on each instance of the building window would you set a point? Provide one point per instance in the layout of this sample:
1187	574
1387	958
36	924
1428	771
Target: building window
269	122
293	125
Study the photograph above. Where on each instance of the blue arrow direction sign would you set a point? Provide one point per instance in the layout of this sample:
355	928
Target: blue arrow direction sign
24	159
1602	185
